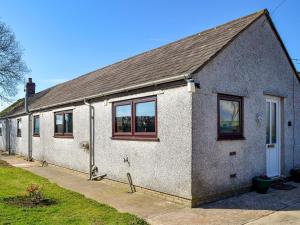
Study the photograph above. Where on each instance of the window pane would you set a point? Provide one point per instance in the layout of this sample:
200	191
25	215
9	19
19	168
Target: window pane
19	127
229	117
145	117
59	123
123	118
268	123
36	129
274	130
19	124
68	123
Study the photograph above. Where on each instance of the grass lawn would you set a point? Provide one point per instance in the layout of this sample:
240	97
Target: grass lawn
71	207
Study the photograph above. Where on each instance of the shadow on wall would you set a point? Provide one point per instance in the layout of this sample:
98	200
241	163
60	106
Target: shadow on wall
273	200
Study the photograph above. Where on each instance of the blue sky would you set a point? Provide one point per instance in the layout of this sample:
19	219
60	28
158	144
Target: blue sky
63	39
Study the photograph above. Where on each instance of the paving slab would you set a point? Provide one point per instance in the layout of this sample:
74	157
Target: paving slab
276	207
287	216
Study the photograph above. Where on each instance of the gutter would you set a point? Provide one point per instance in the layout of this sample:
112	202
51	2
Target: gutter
93	169
184	76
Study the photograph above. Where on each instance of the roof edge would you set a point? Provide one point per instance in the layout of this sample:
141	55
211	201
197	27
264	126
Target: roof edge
282	44
262	12
103	94
269	19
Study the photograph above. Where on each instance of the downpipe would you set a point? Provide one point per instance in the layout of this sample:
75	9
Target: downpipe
91	147
93	168
29	137
29	157
8	148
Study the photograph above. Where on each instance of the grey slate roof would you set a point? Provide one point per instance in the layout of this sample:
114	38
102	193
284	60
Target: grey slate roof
179	57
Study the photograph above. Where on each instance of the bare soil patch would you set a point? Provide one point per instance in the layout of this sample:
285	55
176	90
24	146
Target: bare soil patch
4	164
23	201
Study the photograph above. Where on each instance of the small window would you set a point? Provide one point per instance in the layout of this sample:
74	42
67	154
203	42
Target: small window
36	126
0	128
230	117
63	124
135	119
19	128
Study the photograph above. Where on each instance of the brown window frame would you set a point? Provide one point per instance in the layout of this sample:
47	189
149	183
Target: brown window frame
19	131
133	135
63	134
36	134
237	136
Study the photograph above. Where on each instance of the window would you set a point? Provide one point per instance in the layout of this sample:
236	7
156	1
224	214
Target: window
36	126
63	124
0	128
135	119
19	128
230	117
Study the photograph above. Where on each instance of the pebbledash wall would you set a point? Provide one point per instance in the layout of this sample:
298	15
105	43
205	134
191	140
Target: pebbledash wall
163	165
252	66
18	145
188	161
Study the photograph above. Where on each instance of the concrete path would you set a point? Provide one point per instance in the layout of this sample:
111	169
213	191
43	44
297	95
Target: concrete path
276	207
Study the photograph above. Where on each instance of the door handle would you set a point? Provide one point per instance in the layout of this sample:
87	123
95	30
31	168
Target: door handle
271	145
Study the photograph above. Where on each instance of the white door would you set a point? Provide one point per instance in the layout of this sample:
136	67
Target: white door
273	136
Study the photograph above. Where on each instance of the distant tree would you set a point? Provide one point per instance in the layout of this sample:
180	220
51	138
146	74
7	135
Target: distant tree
12	66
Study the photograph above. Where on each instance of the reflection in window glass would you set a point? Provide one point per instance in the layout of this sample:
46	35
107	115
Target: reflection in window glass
36	125
145	117
59	123
123	118
229	117
268	123
274	125
20	124
68	128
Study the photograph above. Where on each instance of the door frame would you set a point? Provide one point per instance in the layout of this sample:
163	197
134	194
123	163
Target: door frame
274	99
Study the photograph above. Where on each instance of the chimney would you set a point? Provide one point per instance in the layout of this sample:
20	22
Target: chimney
30	87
